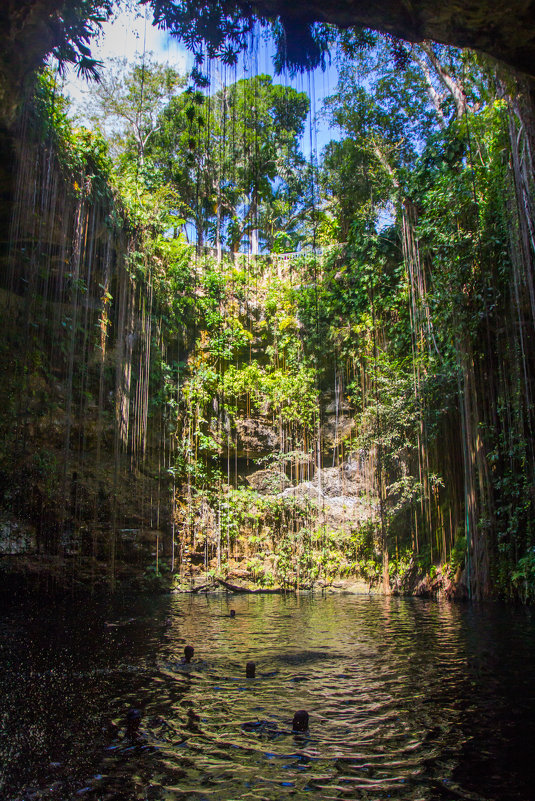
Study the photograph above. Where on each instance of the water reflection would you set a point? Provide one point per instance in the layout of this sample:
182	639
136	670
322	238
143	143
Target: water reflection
408	699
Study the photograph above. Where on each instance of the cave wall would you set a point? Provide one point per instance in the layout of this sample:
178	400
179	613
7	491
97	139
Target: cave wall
79	453
505	32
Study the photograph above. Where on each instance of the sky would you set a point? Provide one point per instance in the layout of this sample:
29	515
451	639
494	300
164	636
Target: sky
127	35
131	33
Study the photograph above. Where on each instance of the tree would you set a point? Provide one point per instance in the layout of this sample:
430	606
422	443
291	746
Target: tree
128	99
232	155
391	99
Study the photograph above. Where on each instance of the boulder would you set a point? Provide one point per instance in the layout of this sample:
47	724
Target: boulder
268	482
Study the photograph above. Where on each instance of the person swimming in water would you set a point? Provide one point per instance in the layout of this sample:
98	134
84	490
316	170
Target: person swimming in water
233	613
250	670
300	721
189	650
133	722
269	729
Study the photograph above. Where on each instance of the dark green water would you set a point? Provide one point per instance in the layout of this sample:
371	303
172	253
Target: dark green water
408	699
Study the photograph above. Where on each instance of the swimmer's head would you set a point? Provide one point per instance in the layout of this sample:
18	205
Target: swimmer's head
250	670
189	650
133	721
300	721
233	613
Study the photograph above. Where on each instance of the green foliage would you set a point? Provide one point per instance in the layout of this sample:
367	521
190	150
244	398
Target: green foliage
234	159
82	154
126	102
289	395
222	31
523	578
76	25
420	306
458	554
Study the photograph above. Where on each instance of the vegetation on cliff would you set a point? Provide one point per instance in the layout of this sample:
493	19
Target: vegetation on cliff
332	377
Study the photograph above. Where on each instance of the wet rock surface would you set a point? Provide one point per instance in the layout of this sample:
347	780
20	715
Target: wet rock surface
506	32
255	437
16	536
268	482
341	495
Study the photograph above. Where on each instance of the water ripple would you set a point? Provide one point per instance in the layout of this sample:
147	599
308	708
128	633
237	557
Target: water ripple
407	699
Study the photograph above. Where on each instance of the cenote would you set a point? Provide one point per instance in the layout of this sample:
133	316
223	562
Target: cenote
408	699
267	296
